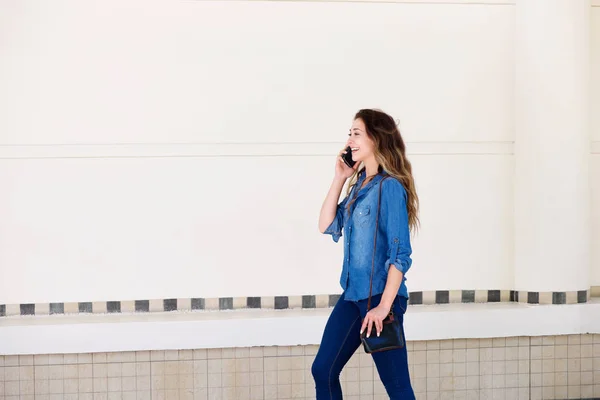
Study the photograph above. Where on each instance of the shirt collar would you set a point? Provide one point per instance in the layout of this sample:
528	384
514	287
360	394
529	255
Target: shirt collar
362	176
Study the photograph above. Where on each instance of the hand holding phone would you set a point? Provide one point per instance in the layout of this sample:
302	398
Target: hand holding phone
345	165
347	157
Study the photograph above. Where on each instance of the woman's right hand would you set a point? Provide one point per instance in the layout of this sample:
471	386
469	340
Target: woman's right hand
342	171
330	204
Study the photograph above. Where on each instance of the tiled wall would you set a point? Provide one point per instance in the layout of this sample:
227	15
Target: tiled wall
502	368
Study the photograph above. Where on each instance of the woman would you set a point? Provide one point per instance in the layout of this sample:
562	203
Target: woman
379	152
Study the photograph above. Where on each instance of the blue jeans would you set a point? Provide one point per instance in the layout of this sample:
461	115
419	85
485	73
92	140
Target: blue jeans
340	340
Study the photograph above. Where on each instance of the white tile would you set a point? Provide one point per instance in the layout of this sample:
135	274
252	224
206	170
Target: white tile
587	391
128	306
184	304
99	307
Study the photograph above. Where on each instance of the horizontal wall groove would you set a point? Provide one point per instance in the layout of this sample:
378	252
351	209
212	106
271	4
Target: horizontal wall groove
240	149
203	150
255	143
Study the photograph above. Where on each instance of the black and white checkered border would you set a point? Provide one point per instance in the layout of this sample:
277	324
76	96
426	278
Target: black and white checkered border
497	296
291	302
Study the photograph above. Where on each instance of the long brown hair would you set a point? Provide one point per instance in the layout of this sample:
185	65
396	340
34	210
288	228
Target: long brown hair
390	153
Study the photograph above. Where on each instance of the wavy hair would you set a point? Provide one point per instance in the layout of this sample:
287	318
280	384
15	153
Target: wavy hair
390	153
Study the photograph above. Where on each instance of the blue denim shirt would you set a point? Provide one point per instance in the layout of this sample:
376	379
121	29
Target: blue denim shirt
358	227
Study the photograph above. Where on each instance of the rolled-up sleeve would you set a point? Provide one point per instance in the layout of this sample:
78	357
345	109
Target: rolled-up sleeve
395	212
335	228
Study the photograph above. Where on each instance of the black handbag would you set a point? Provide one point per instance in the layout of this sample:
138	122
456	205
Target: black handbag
391	336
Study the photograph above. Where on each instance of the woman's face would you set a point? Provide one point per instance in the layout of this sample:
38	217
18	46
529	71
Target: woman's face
361	144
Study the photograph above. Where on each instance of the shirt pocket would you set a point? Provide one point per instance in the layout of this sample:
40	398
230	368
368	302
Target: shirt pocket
362	214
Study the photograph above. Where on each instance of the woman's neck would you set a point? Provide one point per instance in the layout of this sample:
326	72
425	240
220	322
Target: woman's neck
371	167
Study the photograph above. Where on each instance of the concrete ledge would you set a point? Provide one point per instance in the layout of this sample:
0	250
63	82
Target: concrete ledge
246	328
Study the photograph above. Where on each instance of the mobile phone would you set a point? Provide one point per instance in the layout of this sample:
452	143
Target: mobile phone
348	157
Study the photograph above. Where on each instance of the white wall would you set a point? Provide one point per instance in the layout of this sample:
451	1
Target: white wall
595	159
183	149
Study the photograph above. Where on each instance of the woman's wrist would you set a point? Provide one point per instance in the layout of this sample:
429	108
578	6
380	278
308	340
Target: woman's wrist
386	304
339	180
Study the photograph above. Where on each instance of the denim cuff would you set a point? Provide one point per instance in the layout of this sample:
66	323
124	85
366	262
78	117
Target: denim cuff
398	264
334	230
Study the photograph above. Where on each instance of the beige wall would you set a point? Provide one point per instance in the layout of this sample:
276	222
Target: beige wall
185	150
595	160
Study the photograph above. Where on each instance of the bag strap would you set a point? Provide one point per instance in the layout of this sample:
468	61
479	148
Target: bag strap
375	242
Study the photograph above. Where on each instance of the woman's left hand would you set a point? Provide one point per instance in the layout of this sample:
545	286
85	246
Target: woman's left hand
375	316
